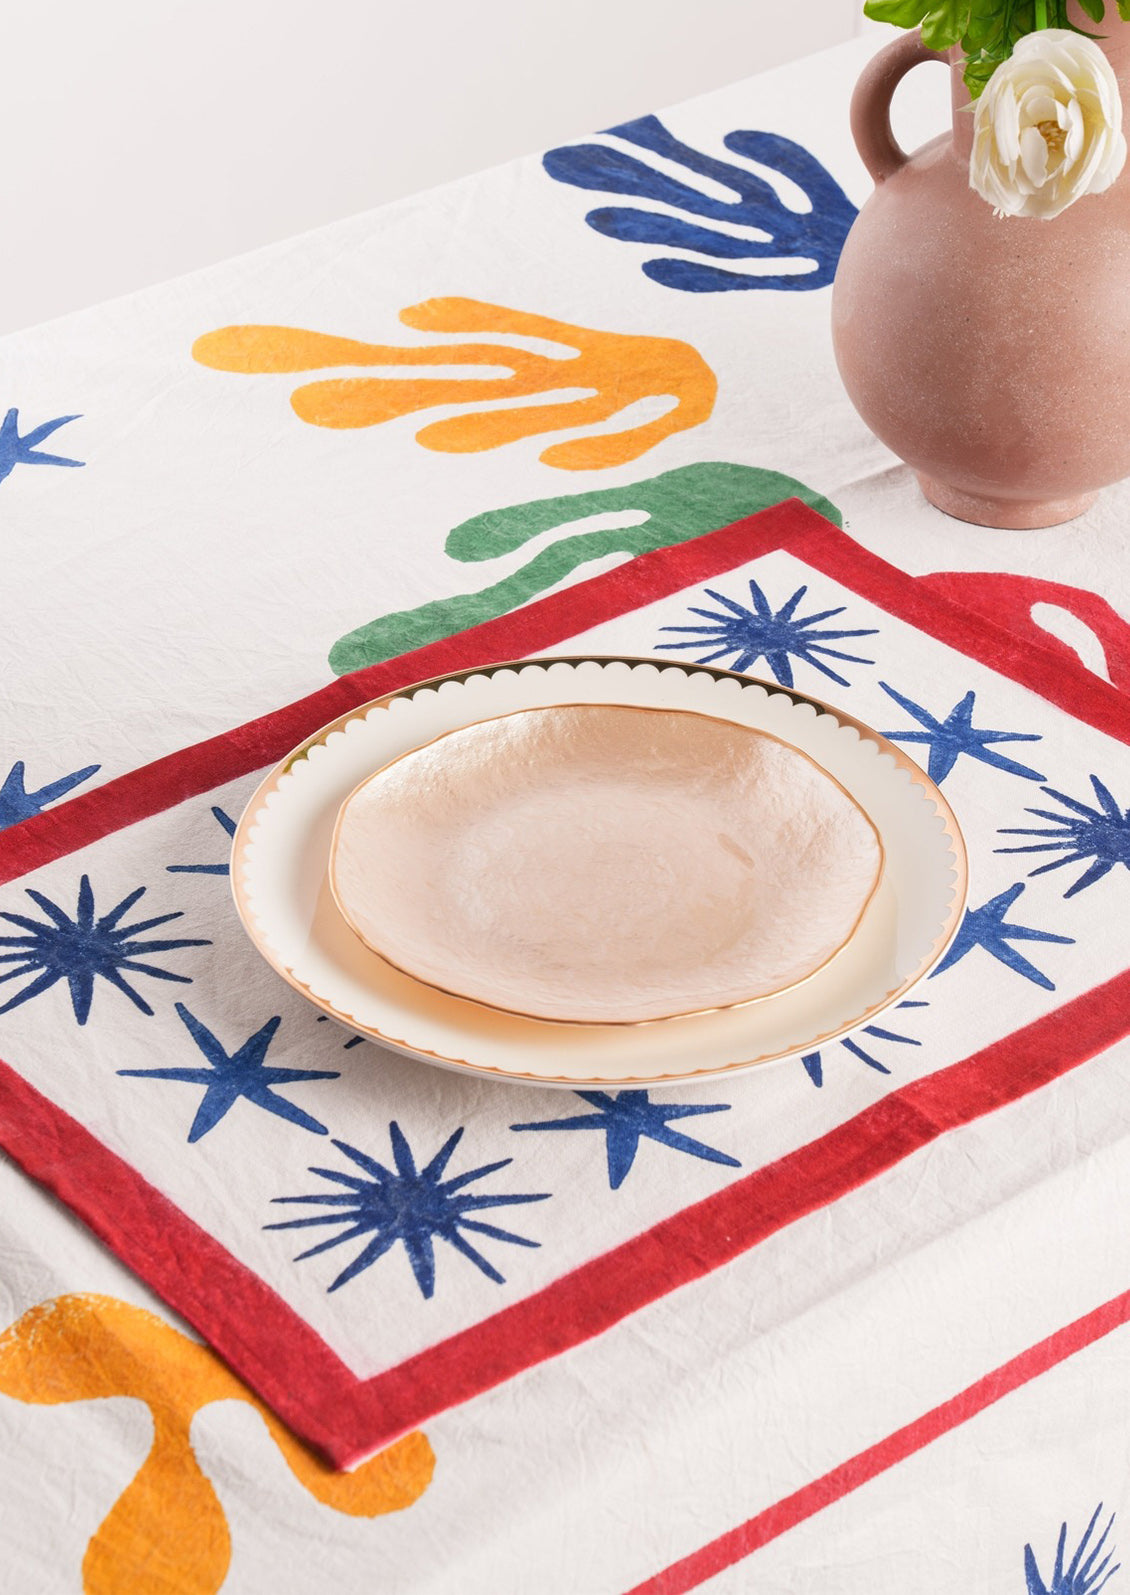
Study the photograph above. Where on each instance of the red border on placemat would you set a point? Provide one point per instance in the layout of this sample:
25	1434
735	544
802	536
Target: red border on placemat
263	1339
308	1385
791	527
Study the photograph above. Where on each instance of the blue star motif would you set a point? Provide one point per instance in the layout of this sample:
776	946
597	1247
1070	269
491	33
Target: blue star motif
1102	834
414	1207
226	1077
630	1117
228	824
948	739
776	636
814	1061
354	1041
81	949
17	803
16	450
1081	1576
987	927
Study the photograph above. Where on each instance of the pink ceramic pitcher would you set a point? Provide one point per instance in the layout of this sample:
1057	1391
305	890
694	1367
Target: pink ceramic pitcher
991	354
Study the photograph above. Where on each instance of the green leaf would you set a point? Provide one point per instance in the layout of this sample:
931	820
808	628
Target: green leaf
902	13
978	70
995	27
943	21
1094	9
1124	10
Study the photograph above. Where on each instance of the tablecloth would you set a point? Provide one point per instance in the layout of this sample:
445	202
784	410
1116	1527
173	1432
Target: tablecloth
855	1322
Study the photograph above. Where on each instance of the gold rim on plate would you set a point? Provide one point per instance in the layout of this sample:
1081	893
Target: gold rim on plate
549	1019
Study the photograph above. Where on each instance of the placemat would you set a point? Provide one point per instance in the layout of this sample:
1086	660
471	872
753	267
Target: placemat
194	1090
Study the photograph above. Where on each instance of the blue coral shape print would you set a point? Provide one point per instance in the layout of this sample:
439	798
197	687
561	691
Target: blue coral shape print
1088	1571
954	735
627	1118
16	450
1098	837
740	634
17	803
415	1207
791	232
85	948
228	1077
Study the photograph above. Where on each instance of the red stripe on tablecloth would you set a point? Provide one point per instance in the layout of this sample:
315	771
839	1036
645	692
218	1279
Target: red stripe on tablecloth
540	626
776	1520
296	1373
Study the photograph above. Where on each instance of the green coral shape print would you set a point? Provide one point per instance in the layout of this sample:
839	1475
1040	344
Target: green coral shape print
675	507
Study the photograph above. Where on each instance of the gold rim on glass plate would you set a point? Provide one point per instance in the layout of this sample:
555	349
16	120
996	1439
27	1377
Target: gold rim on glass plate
549	1019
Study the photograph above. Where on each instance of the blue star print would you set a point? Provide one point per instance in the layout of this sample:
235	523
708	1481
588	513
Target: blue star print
778	636
948	739
414	1207
17	803
630	1117
1084	1574
987	927
226	1077
16	450
228	825
814	1061
354	1041
1101	834
81	949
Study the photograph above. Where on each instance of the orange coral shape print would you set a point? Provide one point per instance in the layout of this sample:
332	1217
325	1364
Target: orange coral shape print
616	370
167	1534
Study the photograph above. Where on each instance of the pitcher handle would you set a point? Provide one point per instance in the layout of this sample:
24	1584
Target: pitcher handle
871	103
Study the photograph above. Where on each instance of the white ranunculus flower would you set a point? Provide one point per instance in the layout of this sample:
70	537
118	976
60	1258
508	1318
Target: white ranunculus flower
1048	126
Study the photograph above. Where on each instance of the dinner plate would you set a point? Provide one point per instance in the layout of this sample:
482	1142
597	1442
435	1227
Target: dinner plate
604	863
280	880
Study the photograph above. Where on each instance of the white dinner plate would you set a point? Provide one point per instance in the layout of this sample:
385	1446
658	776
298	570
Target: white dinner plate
280	879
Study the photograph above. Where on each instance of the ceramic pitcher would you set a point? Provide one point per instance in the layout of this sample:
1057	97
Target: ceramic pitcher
991	354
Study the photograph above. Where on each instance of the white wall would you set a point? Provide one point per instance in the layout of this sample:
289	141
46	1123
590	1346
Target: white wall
148	137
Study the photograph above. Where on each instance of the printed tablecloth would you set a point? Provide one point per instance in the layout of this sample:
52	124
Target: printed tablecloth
855	1322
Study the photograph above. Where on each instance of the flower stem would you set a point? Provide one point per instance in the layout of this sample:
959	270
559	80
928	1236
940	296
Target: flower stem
1041	13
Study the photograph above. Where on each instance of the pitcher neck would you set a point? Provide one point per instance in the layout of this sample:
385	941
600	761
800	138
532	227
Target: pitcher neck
1113	40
